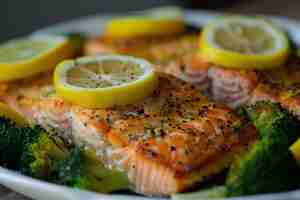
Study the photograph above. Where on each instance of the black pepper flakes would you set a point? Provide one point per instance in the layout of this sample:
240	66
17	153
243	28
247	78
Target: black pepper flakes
186	152
152	153
182	68
173	148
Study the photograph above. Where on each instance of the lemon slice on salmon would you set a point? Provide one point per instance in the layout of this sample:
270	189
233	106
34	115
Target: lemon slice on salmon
105	81
154	22
7	112
23	57
244	43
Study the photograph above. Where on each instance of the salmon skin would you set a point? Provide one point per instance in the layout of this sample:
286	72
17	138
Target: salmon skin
233	87
166	143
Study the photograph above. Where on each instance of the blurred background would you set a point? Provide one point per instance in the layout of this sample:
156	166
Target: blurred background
19	17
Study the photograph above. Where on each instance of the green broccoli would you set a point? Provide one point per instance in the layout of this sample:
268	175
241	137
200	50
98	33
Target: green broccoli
34	152
41	154
29	149
48	158
11	143
82	169
268	166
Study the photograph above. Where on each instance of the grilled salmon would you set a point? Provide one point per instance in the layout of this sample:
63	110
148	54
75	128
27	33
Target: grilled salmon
281	85
232	87
156	49
237	87
176	55
190	68
179	56
166	143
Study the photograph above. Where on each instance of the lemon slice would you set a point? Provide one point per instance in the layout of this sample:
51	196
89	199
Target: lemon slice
27	56
105	81
154	22
7	112
244	43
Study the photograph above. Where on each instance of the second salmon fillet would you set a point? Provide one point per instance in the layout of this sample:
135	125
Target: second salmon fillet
167	143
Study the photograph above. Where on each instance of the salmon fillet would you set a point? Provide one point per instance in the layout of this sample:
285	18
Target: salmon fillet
239	87
166	143
173	55
179	56
156	49
281	85
232	87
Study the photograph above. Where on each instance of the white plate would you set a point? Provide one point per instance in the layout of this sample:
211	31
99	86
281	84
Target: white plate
92	26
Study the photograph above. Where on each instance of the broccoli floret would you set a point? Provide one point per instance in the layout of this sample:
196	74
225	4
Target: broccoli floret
29	149
35	153
82	169
266	114
12	138
268	166
11	143
41	154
